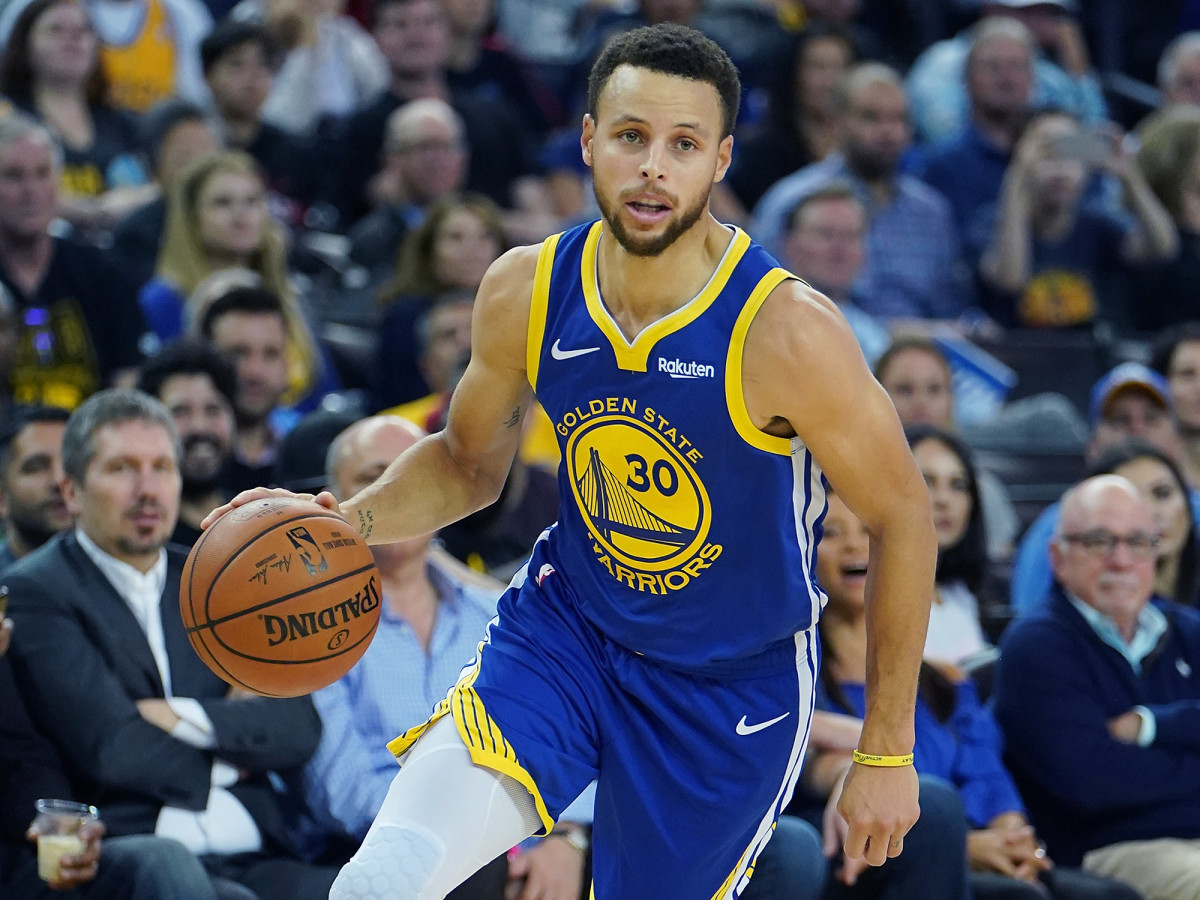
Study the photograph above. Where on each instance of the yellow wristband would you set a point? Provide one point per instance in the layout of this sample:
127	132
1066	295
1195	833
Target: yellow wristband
890	762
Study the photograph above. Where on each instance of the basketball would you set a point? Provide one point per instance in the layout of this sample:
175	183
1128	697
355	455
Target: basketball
280	597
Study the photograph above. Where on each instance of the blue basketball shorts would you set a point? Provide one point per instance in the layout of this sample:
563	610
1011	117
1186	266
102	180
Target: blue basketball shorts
692	769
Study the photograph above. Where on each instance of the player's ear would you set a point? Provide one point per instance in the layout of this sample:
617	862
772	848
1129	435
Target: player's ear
586	136
724	157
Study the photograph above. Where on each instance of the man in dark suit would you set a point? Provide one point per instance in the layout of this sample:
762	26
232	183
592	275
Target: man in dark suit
108	674
134	867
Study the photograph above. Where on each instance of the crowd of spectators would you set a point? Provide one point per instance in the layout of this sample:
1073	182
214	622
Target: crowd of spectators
240	242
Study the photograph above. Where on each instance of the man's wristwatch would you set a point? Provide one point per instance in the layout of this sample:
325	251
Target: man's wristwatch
577	837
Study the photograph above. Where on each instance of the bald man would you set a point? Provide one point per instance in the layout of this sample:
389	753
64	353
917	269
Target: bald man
425	158
1098	693
434	614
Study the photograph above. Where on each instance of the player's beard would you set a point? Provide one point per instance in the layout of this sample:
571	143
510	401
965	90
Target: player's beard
652	246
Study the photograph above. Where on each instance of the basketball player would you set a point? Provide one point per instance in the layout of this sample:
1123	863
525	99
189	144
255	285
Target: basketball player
662	637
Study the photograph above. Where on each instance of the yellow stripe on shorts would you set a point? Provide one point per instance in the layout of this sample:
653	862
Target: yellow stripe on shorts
482	737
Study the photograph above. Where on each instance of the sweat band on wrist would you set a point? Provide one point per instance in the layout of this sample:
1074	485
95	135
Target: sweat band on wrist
889	762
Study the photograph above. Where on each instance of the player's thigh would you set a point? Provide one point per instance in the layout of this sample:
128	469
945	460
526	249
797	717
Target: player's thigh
536	695
694	775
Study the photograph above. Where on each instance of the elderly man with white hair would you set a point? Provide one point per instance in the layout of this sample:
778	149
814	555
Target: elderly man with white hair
1098	693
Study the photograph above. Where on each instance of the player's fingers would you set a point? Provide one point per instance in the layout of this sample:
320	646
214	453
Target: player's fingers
850	870
876	852
855	844
895	846
327	500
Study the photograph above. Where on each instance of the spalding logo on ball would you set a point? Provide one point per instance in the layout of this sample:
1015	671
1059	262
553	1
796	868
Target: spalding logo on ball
280	597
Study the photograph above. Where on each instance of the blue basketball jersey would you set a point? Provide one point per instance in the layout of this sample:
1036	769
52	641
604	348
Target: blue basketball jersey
685	533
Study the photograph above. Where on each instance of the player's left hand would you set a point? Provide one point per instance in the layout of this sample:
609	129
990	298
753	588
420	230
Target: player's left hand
550	870
325	499
879	806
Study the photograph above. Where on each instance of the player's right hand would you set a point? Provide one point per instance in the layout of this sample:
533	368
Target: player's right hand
879	806
324	499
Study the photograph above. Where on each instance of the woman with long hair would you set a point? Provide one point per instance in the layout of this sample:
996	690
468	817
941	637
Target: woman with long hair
50	67
217	220
957	739
449	251
800	125
955	632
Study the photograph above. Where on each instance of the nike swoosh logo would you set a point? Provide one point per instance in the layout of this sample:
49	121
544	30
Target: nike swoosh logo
743	728
559	353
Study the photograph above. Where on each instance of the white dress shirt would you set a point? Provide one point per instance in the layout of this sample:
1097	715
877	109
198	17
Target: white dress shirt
223	826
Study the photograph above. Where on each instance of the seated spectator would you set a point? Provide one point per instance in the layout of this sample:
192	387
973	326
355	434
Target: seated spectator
134	867
1170	158
330	68
1130	401
1161	486
1096	695
800	125
424	160
912	246
916	375
217	218
1176	357
172	134
50	68
459	238
968	167
434	614
80	328
955	632
148	48
1047	254
31	476
484	65
443	337
414	36
197	386
300	462
239	63
956	738
1179	71
1062	73
249	326
825	244
139	720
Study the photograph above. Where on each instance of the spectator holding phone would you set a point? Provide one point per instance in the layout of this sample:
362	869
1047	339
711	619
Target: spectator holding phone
1047	253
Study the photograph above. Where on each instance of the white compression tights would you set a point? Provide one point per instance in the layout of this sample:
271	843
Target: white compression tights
443	819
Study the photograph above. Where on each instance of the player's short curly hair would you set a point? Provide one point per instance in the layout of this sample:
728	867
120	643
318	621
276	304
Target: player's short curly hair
671	50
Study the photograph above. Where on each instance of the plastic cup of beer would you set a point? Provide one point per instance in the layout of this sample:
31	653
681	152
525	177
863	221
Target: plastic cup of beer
58	823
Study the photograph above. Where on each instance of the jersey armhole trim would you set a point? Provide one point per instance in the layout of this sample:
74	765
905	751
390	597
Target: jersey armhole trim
735	399
539	306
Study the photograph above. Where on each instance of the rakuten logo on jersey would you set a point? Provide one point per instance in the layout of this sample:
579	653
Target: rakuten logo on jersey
680	368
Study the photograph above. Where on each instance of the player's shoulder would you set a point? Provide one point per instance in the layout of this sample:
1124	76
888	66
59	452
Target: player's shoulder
801	310
510	278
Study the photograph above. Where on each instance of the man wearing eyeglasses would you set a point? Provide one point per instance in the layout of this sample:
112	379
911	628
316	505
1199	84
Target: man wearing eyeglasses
1098	693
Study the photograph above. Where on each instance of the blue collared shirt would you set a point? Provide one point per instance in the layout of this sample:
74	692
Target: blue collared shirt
391	689
1150	627
913	248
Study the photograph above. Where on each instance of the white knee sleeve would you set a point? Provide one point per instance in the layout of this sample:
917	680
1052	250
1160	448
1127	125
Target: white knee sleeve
443	819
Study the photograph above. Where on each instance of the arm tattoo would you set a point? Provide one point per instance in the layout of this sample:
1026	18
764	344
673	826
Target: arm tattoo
514	418
366	523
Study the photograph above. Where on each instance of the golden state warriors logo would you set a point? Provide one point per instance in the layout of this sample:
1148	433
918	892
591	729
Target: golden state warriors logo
635	485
